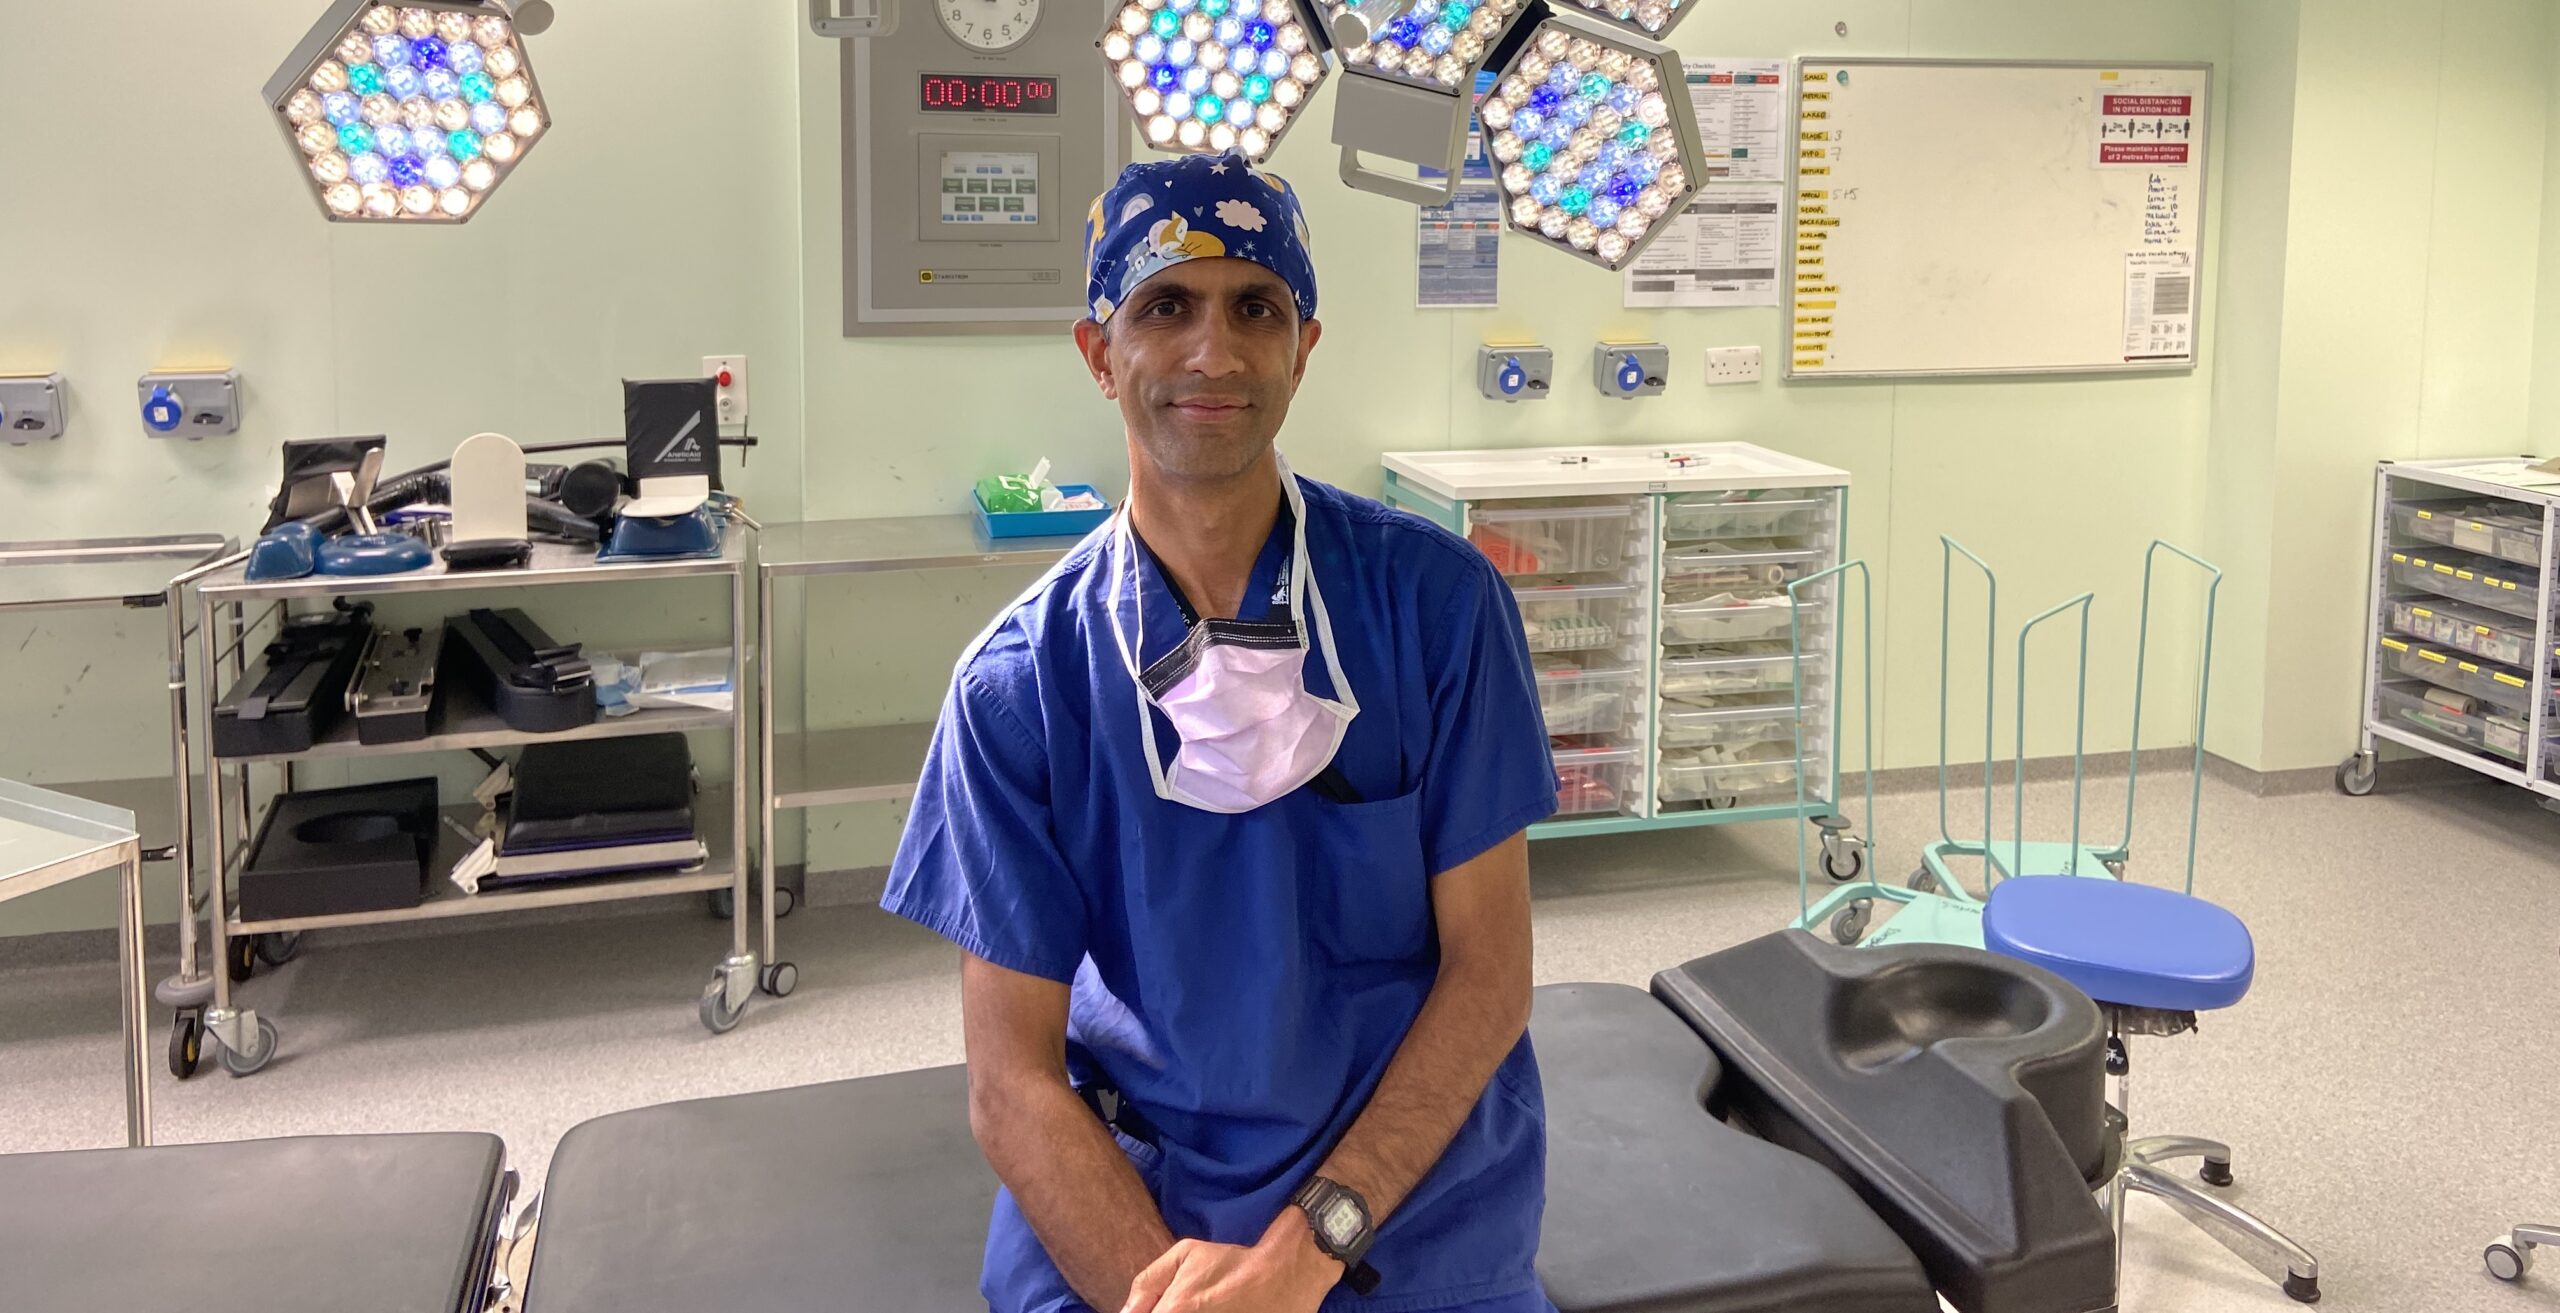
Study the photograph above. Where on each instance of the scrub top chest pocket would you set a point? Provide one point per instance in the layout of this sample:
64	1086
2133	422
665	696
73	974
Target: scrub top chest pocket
1367	896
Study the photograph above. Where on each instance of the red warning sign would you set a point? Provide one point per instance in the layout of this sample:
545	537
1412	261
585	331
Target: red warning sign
2145	130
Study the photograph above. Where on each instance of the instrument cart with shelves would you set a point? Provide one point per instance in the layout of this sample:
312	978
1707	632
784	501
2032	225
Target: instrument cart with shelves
245	1042
2459	644
1653	586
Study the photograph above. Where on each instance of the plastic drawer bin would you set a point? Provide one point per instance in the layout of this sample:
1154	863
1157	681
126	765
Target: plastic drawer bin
1579	701
2425	524
1595	781
1698	777
1730	727
1553	539
1574	617
2482	633
1785	514
2493	684
2417	706
2503	530
1722	676
1708	622
1745	572
2485	581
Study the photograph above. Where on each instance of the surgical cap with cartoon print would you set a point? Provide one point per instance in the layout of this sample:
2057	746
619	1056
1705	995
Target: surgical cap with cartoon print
1193	207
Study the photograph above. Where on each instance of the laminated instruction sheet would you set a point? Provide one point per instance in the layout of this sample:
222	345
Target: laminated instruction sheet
1727	248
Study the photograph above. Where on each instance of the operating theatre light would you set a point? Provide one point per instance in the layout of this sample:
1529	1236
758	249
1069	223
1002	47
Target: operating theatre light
409	113
1211	76
1592	133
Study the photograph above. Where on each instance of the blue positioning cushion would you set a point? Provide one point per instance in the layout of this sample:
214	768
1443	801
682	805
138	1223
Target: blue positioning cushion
2129	944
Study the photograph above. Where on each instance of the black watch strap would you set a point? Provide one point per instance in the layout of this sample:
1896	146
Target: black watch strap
1314	1198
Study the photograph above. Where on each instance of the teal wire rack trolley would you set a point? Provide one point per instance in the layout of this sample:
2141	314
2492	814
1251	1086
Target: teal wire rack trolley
1659	588
1935	906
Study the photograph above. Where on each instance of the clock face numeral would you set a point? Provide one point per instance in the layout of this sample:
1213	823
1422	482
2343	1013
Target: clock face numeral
989	25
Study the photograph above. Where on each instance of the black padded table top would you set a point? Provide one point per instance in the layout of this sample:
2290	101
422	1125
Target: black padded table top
324	1224
1654	1206
1961	1093
860	1196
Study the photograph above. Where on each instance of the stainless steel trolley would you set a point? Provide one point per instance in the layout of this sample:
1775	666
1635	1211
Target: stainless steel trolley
47	838
139	573
246	1042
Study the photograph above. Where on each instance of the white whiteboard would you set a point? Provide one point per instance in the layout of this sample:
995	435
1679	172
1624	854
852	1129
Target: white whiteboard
1971	217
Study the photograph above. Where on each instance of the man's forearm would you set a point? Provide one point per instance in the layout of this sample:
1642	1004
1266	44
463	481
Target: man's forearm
1080	1193
1474	1015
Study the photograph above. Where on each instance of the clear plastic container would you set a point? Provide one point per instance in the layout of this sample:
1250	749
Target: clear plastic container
2501	532
1762	773
2471	629
1596	781
1719	676
1522	540
1760	573
2486	581
1574	617
1727	727
2495	684
2452	717
1580	700
1789	513
2425	524
1756	620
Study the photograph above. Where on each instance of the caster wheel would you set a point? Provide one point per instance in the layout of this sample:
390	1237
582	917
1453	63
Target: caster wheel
780	979
1849	924
2302	1289
1843	873
186	1042
2355	776
724	904
717	1016
786	900
2214	1173
2507	1262
241	959
1924	880
262	1052
276	950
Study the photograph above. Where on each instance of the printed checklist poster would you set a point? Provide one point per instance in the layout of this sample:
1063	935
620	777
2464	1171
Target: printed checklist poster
2144	130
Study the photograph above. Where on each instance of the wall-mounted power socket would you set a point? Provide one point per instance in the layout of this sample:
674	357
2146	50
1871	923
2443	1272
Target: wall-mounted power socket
1733	364
1627	370
1515	373
729	374
31	408
190	405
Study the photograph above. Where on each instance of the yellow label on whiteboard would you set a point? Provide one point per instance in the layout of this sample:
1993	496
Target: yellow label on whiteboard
1808	362
1817	95
1812	172
1813	209
1813	196
1834	305
1813	136
1818	289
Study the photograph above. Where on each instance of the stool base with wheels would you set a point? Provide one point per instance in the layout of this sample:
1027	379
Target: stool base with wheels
2510	1256
2152	958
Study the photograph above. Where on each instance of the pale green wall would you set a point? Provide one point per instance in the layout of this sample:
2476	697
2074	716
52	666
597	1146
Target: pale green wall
169	226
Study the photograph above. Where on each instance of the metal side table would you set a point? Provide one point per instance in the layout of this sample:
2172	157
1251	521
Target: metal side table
47	838
140	573
872	763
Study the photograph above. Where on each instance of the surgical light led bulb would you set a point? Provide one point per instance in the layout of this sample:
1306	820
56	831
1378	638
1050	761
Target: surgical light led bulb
409	113
1591	126
1210	75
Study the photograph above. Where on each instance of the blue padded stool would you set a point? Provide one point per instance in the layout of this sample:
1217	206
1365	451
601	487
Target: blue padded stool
2152	959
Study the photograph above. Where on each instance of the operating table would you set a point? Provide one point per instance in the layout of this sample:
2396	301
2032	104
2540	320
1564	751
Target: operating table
1783	1125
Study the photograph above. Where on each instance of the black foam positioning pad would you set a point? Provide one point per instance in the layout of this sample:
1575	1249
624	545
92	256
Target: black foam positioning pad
1960	1093
322	1224
859	1196
1654	1206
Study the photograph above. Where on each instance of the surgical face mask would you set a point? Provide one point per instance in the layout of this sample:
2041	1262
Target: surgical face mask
1236	691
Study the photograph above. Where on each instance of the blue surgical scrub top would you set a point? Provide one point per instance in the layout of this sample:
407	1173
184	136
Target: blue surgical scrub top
1243	980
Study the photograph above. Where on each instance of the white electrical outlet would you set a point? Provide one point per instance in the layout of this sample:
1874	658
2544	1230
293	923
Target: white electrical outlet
730	372
1733	364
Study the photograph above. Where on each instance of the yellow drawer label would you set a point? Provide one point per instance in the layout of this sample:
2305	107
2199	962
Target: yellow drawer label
2420	610
2426	515
2395	645
2400	558
2509	680
2468	668
2503	583
2447	569
2483	630
2437	657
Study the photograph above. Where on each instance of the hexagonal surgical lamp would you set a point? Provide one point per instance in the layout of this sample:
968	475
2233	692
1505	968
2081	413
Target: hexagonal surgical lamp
1210	76
1592	131
411	112
1409	72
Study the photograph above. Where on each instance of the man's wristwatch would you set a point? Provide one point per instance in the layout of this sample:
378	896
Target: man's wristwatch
1340	1218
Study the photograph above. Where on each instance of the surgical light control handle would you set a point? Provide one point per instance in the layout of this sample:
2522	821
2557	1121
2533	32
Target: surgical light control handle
1355	24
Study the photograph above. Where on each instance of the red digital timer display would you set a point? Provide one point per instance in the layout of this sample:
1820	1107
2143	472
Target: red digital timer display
982	93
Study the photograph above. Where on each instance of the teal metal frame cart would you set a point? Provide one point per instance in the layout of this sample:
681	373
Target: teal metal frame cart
1682	609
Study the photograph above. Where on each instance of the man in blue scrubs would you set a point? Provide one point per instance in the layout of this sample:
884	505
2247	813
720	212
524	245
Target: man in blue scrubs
1227	815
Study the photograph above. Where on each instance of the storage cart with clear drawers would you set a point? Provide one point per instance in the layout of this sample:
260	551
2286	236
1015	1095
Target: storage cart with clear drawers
2459	646
1652	586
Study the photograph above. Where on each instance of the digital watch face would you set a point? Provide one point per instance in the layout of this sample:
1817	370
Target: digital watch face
1341	1223
989	25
